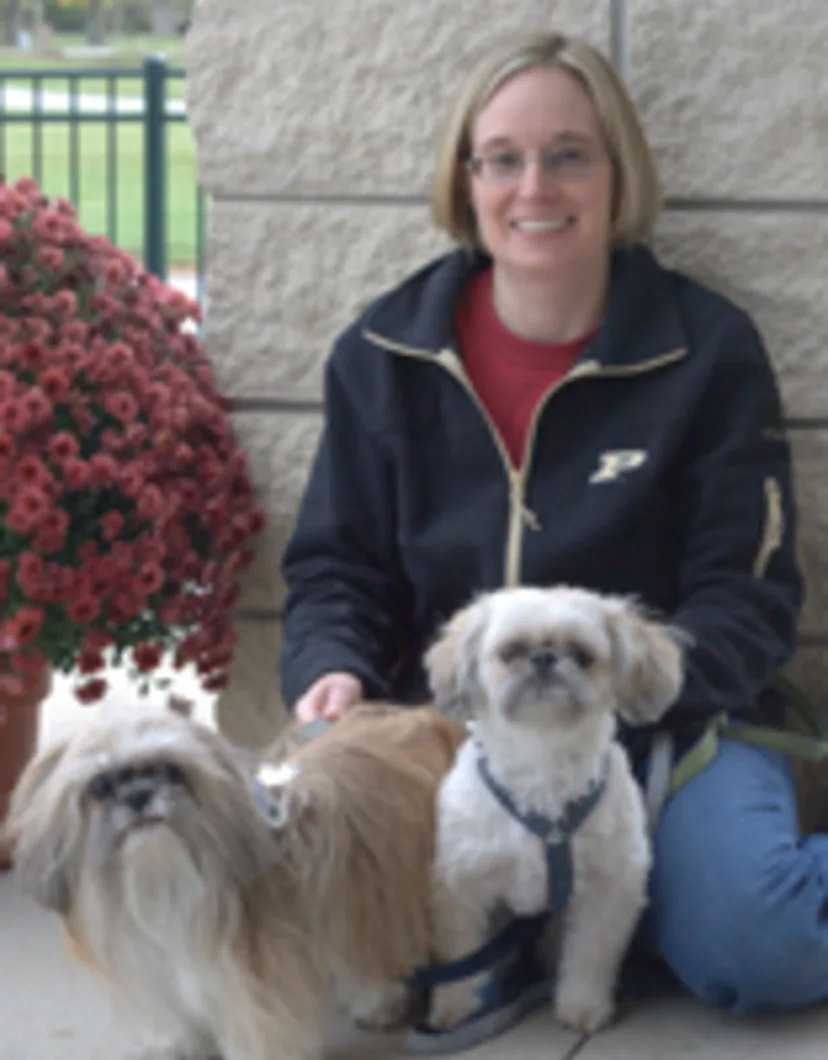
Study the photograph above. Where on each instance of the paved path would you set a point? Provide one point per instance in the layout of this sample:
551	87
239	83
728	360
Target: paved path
24	98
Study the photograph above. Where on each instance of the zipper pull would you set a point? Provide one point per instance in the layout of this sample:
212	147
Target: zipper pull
527	516
530	518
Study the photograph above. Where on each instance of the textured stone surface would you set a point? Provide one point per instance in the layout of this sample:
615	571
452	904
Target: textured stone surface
810	453
774	266
810	671
734	95
344	108
249	711
284	279
346	98
280	447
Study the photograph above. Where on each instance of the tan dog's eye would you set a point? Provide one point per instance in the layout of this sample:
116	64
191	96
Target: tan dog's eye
100	788
173	774
582	656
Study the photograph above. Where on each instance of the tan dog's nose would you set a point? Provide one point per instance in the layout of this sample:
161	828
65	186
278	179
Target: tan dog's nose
138	799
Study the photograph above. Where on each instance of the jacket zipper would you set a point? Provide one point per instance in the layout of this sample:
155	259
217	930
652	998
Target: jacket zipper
520	515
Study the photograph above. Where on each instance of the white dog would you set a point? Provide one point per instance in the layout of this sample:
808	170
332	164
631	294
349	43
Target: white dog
543	673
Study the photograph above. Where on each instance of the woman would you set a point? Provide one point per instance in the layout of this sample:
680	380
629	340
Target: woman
549	404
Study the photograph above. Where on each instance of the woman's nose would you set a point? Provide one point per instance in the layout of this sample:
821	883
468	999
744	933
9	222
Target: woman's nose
534	179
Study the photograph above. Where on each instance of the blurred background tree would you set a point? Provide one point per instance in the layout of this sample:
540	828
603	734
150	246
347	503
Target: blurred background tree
10	21
23	22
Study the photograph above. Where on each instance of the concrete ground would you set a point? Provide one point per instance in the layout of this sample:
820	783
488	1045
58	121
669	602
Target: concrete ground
52	1010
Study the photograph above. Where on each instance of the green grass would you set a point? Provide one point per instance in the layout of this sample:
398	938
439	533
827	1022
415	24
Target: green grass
124	51
18	140
93	154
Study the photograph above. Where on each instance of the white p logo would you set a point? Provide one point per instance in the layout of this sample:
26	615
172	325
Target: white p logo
617	462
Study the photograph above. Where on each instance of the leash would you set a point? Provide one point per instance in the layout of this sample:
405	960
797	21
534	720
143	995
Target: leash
668	774
657	789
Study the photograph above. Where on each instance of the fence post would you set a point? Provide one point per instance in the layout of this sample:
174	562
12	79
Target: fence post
155	206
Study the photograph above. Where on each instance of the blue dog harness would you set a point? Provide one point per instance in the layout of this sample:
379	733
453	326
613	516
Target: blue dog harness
556	834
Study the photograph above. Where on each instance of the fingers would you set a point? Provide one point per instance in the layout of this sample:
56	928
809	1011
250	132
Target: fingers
308	708
329	697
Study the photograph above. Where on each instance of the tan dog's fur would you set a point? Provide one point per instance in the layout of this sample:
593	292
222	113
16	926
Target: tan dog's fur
361	835
221	930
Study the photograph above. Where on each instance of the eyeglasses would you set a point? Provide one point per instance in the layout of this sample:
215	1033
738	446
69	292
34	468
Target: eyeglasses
507	165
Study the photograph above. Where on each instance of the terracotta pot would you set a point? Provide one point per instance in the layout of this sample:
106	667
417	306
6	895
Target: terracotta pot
19	727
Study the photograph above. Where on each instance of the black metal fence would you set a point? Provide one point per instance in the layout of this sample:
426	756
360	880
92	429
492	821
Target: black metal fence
135	181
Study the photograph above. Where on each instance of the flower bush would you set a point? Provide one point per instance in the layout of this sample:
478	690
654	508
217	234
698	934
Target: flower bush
126	512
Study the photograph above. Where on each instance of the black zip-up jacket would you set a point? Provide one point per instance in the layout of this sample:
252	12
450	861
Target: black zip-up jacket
657	467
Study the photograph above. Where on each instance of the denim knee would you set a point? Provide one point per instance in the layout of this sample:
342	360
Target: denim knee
758	948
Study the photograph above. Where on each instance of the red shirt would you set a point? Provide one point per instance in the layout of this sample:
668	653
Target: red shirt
510	374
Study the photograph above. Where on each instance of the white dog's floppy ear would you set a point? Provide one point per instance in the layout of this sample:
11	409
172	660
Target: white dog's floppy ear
41	836
452	660
649	662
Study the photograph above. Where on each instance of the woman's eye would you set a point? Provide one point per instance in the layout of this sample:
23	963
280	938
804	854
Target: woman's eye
505	161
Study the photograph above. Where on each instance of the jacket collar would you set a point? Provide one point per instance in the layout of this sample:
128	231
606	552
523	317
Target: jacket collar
642	320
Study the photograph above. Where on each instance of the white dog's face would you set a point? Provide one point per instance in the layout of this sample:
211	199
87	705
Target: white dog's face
552	657
546	658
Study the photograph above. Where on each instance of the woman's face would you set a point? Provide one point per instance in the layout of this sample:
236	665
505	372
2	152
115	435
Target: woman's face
540	180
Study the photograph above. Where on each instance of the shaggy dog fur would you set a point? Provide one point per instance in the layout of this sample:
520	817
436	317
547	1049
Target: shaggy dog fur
221	922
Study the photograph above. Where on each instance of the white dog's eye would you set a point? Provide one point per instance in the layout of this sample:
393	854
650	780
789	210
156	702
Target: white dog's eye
514	650
582	656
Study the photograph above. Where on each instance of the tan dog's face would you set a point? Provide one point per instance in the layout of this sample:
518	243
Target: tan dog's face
138	786
134	795
551	657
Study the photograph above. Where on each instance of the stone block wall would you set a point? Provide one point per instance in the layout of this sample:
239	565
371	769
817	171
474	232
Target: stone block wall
315	125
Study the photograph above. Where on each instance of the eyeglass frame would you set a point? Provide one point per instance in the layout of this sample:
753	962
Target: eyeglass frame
475	165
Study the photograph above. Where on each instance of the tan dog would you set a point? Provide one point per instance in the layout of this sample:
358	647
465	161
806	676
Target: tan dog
222	926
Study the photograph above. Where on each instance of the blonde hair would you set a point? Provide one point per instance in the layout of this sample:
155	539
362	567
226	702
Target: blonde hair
637	188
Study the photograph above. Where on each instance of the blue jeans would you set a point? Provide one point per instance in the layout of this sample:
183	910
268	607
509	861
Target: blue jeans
738	899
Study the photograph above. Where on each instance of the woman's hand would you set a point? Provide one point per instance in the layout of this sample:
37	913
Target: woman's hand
329	697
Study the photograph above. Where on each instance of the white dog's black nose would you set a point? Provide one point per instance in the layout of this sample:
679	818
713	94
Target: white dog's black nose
544	661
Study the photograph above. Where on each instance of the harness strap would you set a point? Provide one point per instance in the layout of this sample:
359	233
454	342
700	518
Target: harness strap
549	829
556	834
